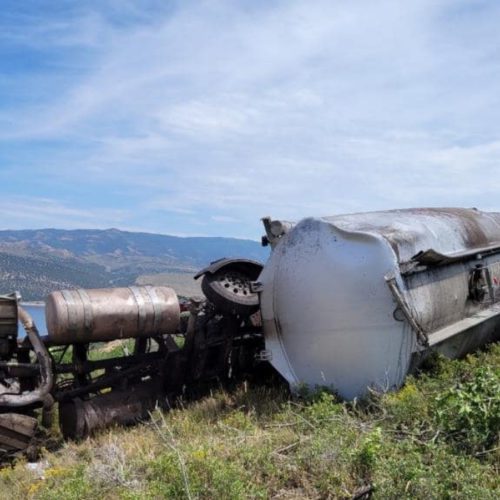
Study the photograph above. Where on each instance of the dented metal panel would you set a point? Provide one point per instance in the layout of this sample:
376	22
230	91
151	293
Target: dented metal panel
352	301
16	432
328	314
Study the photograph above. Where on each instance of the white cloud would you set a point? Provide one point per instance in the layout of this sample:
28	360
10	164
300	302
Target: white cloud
230	110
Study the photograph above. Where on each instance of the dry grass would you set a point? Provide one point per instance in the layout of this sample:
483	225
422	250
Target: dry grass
256	443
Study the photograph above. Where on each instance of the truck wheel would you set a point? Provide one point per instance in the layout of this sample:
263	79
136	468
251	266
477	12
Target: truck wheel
229	290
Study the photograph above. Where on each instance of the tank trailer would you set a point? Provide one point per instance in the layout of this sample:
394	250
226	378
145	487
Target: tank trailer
350	302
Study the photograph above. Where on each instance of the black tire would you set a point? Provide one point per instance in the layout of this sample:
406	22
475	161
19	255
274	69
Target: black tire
229	290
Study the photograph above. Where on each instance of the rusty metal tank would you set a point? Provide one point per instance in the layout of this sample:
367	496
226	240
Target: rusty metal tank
111	313
8	315
8	324
357	301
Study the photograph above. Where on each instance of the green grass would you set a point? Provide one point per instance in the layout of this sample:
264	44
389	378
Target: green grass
438	437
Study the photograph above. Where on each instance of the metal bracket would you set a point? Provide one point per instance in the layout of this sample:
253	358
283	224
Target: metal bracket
422	337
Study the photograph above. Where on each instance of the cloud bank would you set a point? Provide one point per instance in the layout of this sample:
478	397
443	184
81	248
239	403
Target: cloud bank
201	117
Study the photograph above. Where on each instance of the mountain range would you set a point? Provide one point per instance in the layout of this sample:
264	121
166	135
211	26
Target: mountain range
35	262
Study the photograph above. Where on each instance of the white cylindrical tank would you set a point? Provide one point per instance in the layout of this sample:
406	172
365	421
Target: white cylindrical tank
355	301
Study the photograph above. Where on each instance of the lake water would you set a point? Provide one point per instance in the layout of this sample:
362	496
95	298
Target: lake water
37	312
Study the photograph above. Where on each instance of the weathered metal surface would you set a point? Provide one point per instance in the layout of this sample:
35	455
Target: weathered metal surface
111	313
410	231
8	324
79	418
16	432
8	315
331	319
250	267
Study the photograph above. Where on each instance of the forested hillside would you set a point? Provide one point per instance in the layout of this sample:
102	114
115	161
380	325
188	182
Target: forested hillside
36	262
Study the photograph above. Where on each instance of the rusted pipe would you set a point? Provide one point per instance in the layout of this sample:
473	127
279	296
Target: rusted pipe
42	393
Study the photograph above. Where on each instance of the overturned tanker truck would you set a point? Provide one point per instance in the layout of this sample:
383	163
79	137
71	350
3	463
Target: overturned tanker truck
350	302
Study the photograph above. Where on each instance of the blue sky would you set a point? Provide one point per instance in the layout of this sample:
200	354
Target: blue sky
200	117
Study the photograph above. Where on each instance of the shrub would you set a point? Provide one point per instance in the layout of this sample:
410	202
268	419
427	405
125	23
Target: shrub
470	412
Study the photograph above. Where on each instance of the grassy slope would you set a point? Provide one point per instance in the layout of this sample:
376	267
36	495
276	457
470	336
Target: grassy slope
35	277
438	437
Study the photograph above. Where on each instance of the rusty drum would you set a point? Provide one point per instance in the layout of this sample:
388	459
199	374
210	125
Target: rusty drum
111	313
